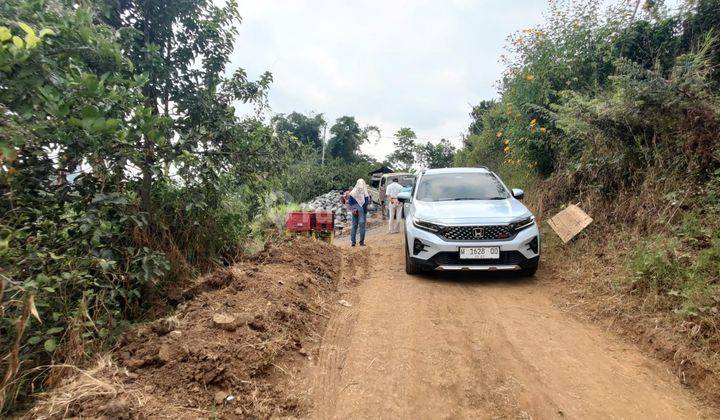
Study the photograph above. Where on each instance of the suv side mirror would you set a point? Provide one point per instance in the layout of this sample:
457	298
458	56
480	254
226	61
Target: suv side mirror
518	193
404	196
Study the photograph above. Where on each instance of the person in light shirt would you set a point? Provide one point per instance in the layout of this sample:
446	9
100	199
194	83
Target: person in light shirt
394	206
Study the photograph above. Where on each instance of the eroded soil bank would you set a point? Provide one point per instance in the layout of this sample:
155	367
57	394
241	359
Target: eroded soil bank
236	347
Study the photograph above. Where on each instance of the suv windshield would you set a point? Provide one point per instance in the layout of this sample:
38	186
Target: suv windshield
461	186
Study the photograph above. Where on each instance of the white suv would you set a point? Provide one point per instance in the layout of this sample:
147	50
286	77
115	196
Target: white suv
467	219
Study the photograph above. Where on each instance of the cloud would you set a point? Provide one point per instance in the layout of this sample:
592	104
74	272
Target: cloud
394	63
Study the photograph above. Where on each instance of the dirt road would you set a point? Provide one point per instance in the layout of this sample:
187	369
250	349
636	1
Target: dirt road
449	346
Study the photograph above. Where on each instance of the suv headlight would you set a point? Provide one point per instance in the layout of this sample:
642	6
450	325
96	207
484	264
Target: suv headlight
521	224
430	227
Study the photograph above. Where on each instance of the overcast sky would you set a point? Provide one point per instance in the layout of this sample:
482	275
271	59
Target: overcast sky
393	63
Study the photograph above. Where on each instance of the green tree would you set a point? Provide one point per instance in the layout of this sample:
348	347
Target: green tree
120	153
183	47
71	108
347	137
403	157
701	17
307	129
477	113
440	155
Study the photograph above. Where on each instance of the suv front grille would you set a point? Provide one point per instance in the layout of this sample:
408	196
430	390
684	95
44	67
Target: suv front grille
476	233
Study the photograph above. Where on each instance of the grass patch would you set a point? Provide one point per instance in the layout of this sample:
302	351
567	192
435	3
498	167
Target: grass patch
680	274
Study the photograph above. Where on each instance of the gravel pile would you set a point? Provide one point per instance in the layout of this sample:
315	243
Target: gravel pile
330	201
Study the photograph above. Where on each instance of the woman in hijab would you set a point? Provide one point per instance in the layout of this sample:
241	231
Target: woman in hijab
358	201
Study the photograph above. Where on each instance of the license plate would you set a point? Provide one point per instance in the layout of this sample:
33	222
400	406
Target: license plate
480	253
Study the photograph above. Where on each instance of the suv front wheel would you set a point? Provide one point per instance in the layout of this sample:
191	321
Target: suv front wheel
411	267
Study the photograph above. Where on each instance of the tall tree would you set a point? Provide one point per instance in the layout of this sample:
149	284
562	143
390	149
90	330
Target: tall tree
477	113
346	138
403	157
440	155
183	47
307	129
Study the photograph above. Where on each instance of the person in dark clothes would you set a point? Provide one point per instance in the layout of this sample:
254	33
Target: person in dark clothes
358	202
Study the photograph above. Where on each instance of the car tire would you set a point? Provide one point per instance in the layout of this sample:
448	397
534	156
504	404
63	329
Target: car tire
411	267
529	271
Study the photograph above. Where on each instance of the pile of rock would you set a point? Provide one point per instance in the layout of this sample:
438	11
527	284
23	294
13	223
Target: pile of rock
330	201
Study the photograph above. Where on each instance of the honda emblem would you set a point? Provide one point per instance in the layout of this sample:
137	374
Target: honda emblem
478	232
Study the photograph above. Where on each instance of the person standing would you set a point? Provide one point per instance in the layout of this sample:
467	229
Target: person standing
394	205
358	201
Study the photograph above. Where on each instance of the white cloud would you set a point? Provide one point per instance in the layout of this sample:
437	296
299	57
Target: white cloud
395	63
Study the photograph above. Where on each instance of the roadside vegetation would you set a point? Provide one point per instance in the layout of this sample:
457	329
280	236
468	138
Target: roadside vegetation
619	110
125	170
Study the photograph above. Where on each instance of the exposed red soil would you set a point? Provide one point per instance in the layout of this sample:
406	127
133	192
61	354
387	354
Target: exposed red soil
233	348
586	274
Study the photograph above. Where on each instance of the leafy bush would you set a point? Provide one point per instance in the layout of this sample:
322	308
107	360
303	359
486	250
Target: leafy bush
306	177
645	120
600	94
105	195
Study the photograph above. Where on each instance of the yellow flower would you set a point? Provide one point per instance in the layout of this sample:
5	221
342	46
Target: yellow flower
5	33
543	129
499	134
507	149
19	43
533	122
507	142
529	77
32	41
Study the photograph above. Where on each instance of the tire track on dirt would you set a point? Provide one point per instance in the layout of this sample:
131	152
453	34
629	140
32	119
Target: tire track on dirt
334	345
478	346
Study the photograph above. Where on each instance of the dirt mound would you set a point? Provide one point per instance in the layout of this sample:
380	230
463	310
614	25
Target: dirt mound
233	348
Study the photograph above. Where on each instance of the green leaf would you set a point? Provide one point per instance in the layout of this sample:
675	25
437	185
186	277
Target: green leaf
45	32
112	124
34	340
50	345
54	330
4	240
5	33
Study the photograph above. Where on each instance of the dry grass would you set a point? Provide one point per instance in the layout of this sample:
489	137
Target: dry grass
597	281
11	361
104	379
